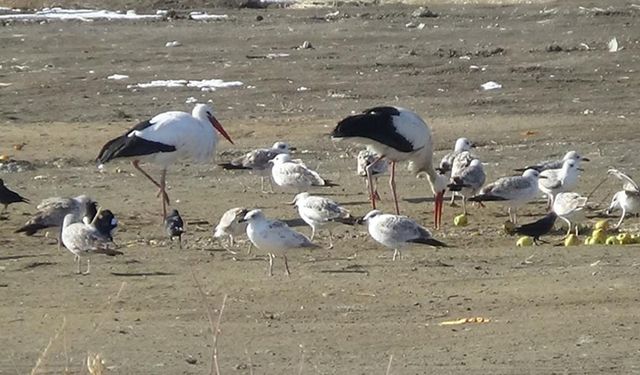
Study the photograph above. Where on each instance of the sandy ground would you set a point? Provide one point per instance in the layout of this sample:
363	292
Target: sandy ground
552	310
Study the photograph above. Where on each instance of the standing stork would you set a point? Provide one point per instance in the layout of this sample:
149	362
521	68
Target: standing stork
166	138
396	134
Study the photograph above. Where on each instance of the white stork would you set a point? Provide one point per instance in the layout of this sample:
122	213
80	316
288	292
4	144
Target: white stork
166	138
396	134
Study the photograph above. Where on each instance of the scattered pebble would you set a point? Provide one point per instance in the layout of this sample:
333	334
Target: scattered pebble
424	12
491	85
174	43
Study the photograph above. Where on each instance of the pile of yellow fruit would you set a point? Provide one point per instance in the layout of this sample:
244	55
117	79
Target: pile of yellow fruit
599	236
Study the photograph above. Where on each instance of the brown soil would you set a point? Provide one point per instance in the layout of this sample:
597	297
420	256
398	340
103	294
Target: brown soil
347	310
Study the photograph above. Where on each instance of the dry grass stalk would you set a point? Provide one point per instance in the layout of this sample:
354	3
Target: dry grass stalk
107	308
389	365
44	353
215	326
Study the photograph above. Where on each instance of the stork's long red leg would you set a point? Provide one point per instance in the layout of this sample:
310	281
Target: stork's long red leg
392	185
163	193
136	165
368	169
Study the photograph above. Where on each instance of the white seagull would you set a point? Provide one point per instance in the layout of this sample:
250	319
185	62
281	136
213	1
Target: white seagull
230	226
320	212
165	139
628	199
84	240
290	174
559	180
554	164
513	191
446	164
467	177
397	232
570	208
396	134
258	161
274	236
378	166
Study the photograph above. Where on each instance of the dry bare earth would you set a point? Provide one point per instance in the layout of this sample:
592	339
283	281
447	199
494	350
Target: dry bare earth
552	310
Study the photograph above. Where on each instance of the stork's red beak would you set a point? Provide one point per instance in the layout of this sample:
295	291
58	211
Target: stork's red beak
219	128
437	210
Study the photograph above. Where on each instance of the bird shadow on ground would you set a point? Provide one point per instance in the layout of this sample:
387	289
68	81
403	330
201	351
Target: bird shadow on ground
137	274
12	257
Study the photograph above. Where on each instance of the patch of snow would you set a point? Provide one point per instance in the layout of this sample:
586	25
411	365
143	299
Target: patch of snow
118	77
199	16
203	85
79	14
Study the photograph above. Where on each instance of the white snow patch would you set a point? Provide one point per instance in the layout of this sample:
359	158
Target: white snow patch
79	14
491	85
203	85
118	77
199	16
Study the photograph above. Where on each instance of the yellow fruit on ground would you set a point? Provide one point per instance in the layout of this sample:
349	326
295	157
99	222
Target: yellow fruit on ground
602	224
587	241
624	239
524	241
571	240
599	235
612	240
460	220
635	238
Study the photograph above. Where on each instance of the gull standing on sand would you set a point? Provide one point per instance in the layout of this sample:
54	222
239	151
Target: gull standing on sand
554	164
628	199
84	240
258	161
378	166
467	177
51	213
320	212
8	196
559	180
289	174
165	139
274	236
396	134
446	164
230	226
513	191
570	208
397	232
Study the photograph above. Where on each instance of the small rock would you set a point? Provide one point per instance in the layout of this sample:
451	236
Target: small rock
259	18
306	45
191	360
175	43
424	12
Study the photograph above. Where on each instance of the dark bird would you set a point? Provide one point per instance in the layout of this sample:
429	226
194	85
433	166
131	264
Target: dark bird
174	226
396	134
8	197
105	223
538	228
165	139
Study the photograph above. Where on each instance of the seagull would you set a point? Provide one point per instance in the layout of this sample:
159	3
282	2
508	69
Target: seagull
51	213
274	236
513	191
84	240
568	205
467	177
554	164
8	196
319	212
174	226
258	161
628	199
538	228
230	225
446	164
289	174
396	134
378	166
559	180
165	139
397	232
